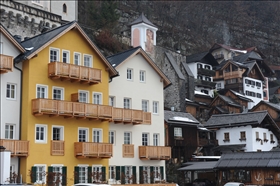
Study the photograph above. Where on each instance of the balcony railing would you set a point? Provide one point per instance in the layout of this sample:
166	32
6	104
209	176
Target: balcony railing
93	150
6	63
206	142
233	74
207	72
69	109
17	147
154	152
74	73
57	148
204	83
128	150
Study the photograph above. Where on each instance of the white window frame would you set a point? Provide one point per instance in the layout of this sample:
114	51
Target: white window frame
156	139
178	132
79	58
57	172
112	100
155	107
90	58
97	98
156	173
127	138
146	174
145	105
68	56
14	90
99	138
129	74
9	125
1	47
58	88
85	92
112	172
61	131
58	52
97	169
142	75
128	174
42	86
85	175
127	103
43	172
45	134
86	134
112	137
145	139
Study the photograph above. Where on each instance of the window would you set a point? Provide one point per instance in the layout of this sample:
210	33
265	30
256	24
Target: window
83	135
156	139
272	138
112	172
258	84
11	91
97	174
264	93
145	106
199	77
257	135
259	95
226	136
57	133
58	93
126	103
54	55
178	132
129	74
199	65
204	91
9	131
142	76
97	98
65	56
264	136
145	139
243	135
77	58
97	135
207	67
64	8
128	174
146	174
83	174
157	175
42	91
87	61
112	137
41	133
40	171
127	137
83	96
57	175
112	101
207	78
155	107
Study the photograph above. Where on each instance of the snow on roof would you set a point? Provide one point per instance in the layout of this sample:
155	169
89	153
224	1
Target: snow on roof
189	100
178	118
201	93
241	51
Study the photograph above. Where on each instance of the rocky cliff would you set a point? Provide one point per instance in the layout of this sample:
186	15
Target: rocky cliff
194	26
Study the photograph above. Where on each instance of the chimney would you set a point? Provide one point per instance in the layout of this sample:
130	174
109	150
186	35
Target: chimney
18	38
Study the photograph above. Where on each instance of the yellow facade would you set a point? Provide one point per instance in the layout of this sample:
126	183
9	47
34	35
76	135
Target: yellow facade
35	71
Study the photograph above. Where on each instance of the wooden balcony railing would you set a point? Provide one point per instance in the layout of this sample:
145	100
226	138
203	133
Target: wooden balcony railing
69	109
233	74
204	83
6	63
128	151
74	73
154	152
57	148
17	147
208	142
93	150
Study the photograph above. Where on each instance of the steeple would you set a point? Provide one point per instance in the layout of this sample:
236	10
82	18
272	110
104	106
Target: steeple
143	33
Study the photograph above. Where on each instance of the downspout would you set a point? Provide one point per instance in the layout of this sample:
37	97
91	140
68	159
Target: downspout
20	113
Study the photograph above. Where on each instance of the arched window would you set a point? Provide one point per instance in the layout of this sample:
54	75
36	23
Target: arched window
64	8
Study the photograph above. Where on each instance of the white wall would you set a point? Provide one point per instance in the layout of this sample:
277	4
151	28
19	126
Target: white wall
72	9
255	89
151	90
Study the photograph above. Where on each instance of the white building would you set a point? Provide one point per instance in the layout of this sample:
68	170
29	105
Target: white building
10	87
139	150
252	131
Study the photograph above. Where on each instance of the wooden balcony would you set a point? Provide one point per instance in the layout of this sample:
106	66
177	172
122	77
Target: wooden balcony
206	72
207	142
233	74
74	73
93	150
128	150
154	152
204	83
6	63
57	148
69	109
17	147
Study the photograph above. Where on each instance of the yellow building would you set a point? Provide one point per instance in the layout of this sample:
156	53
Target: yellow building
65	110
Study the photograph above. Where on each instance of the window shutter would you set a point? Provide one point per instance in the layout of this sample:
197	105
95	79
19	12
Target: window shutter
64	176
33	174
141	175
122	174
50	177
76	174
152	174
161	173
103	169
90	174
118	173
134	174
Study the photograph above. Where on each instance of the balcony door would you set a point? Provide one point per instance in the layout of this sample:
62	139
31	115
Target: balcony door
57	133
97	135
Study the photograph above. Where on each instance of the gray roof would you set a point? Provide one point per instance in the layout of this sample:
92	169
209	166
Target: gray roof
244	57
117	59
233	147
174	65
199	166
221	110
241	96
187	69
204	57
270	159
273	105
142	19
182	118
230	101
272	90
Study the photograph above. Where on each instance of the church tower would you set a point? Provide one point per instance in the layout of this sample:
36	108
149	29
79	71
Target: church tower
143	33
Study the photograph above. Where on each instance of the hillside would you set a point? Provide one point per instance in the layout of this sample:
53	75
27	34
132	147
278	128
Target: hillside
194	26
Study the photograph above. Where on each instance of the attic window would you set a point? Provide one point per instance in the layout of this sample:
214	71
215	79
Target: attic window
64	7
